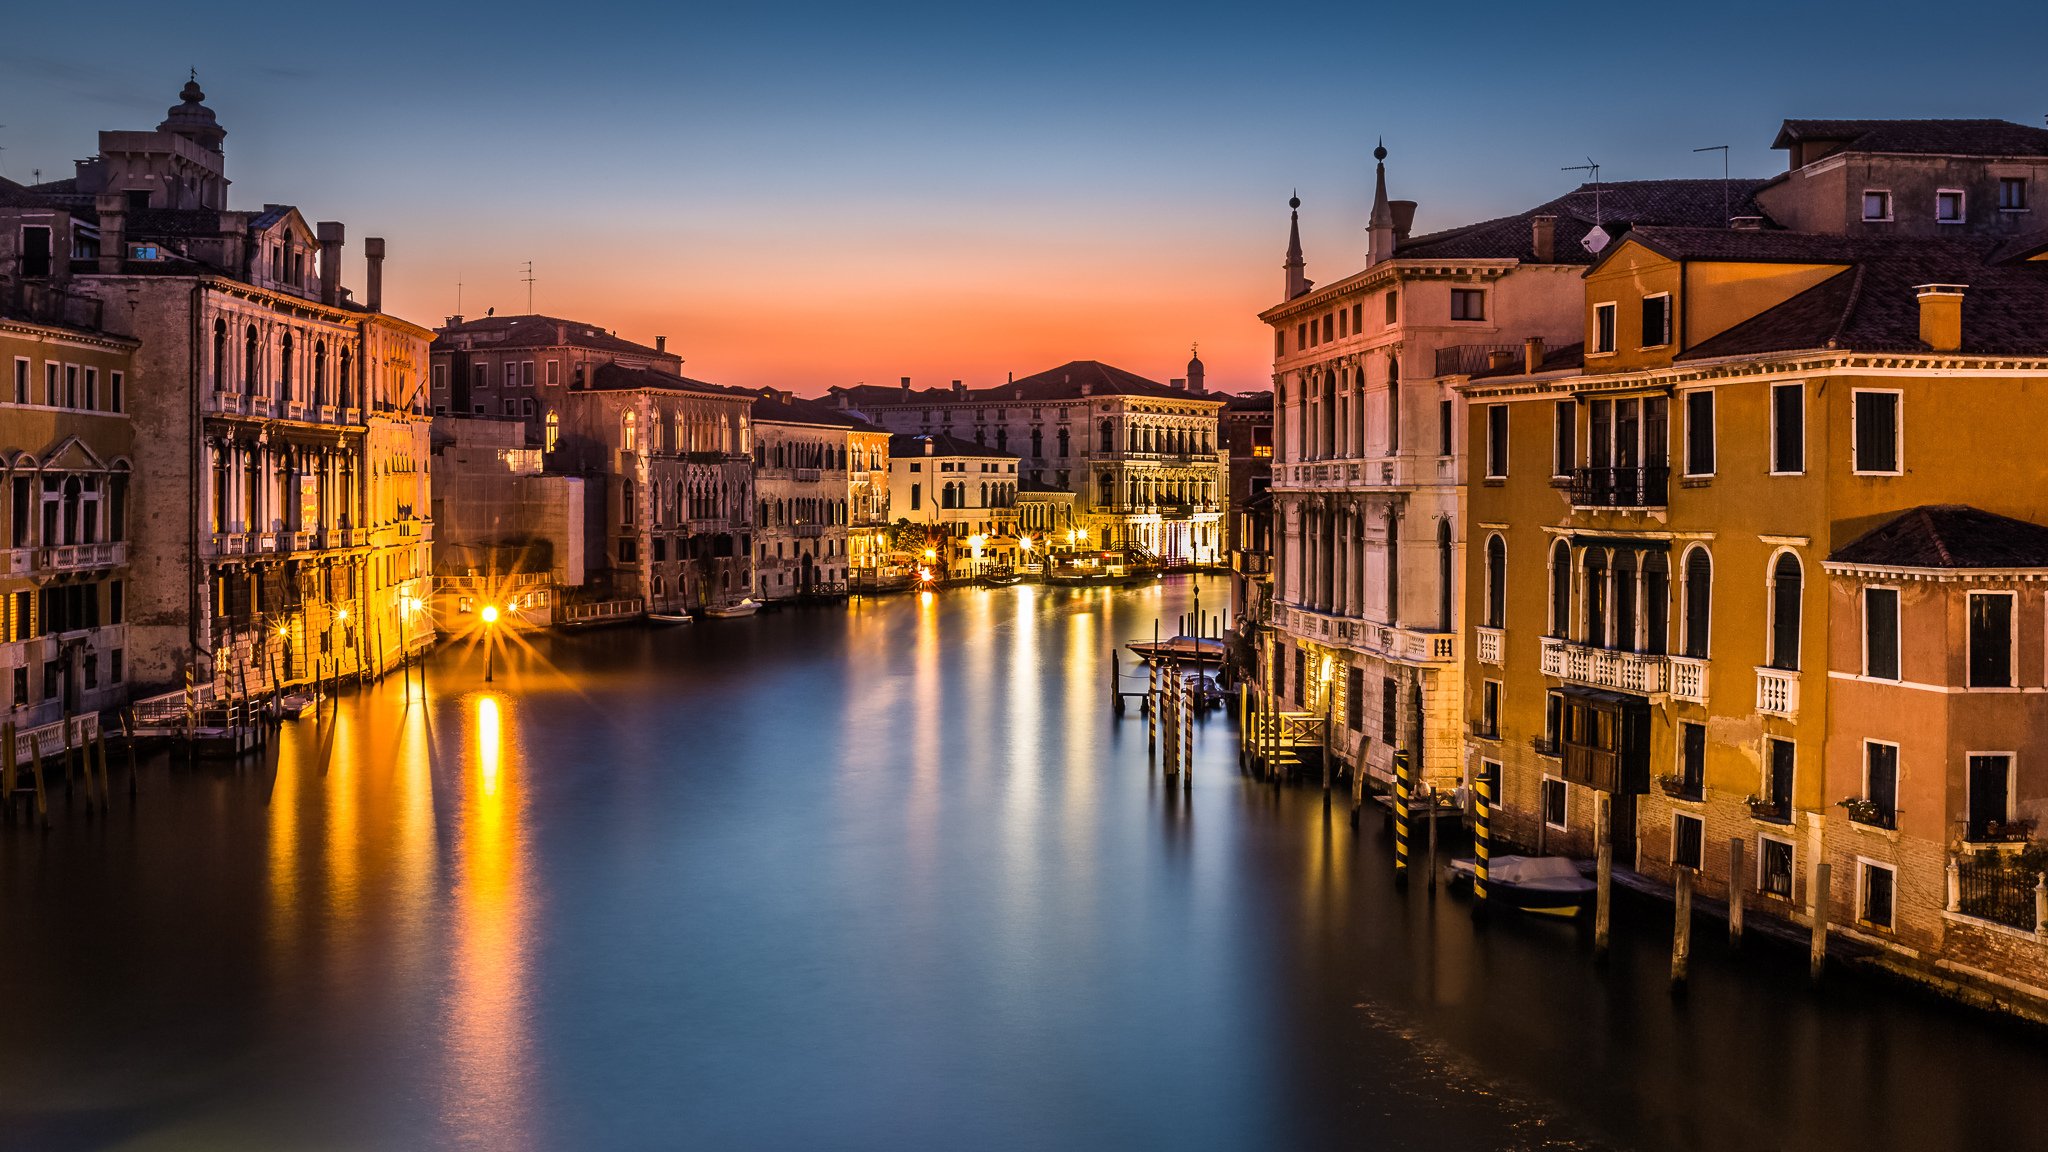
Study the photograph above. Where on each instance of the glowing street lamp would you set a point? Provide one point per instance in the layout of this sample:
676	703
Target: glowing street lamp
407	605
490	632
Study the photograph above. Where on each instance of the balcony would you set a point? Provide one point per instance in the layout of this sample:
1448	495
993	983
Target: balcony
1688	679
1777	692
1770	809
1870	813
2000	891
1679	786
81	557
1636	672
1390	641
1621	487
1546	746
1491	641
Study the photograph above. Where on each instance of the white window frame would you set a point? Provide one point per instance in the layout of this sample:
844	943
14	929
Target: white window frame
2012	781
1863	863
2012	642
1613	310
1898	631
1791	846
1865	206
1543	804
1773	448
117	391
1898	432
1507	419
1670	324
1898	764
23	380
1483	302
1962	206
1671	857
1685	434
1771	612
2026	194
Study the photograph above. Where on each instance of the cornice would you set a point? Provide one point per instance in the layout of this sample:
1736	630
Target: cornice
1804	365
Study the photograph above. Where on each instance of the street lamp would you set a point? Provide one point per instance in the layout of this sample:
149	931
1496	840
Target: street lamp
490	631
406	605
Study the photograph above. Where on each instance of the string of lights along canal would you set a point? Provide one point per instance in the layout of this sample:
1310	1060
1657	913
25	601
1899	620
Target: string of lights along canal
891	874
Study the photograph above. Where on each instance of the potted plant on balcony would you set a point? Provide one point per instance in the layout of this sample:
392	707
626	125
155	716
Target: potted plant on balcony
1677	786
1866	811
1765	808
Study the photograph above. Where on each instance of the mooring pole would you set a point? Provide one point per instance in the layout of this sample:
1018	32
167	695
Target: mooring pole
1817	961
1736	888
1482	839
1431	795
1681	931
1187	768
1401	817
1603	876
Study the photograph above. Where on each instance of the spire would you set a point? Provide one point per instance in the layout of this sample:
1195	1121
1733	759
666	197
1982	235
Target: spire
1298	284
1380	232
192	118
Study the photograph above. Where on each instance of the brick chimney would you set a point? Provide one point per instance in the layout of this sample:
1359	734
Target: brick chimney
661	343
958	387
1498	359
1941	315
113	210
1543	238
373	278
1404	218
1532	355
906	389
330	233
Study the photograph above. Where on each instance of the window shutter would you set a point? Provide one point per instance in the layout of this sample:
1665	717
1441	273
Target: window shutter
1881	632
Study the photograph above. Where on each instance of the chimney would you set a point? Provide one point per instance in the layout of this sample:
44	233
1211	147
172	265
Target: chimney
958	387
1532	355
1941	315
906	389
1177	384
1746	223
453	321
373	281
927	445
1543	238
330	261
1404	218
113	210
562	334
1499	359
661	343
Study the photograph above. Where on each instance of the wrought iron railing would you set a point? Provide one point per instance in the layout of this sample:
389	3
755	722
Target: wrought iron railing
1621	487
1998	893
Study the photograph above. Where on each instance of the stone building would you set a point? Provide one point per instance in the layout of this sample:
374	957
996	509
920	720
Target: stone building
67	443
525	366
1746	572
507	534
813	474
257	550
1142	458
1246	427
962	494
1369	466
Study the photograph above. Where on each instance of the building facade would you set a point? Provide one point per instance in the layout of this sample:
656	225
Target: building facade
814	477
955	504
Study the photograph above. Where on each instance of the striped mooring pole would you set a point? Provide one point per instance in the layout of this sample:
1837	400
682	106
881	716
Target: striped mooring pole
1482	838
1401	786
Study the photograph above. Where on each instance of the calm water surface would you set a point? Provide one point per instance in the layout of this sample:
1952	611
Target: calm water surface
882	877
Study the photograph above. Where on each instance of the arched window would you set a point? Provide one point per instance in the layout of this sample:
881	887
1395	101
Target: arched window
1063	442
284	364
1595	598
220	355
1560	590
1699	598
1624	630
1037	442
1656	603
344	386
251	359
1443	574
554	430
629	432
1104	430
1786	578
984	494
1496	582
319	372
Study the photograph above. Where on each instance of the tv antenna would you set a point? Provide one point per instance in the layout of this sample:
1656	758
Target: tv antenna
1727	207
1596	239
529	287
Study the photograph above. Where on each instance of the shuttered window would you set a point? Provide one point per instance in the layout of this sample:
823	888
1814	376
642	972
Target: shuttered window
1881	633
1788	428
1699	433
1877	432
1990	639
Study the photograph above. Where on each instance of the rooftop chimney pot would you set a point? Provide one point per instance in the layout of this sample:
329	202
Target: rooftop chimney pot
373	278
1532	355
1543	238
661	343
1404	217
330	235
1941	315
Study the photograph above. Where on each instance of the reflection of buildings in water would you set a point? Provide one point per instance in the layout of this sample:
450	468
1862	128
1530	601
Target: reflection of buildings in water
488	1049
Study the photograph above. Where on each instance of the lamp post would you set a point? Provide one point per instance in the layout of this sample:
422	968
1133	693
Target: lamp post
406	604
490	633
1024	546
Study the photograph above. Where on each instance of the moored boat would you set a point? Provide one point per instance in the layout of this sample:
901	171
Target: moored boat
1543	885
670	617
744	607
1184	649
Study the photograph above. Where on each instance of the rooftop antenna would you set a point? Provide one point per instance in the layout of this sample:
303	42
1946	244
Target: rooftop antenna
1727	207
458	292
1597	239
529	287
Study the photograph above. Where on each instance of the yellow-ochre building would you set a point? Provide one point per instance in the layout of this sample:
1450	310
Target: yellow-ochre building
1756	571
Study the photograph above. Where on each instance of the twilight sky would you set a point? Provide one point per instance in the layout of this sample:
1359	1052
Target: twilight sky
807	196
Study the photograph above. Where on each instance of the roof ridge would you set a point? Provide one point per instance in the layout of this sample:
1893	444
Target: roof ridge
1848	306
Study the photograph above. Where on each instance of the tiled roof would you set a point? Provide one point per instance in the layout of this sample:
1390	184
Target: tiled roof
1923	137
1621	206
1949	536
1069	381
1249	402
1872	306
782	408
534	331
619	378
172	222
908	444
1029	487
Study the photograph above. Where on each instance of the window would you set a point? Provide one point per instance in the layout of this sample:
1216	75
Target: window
50	383
1880	784
526	373
1443	427
1991	639
1560	589
1779	763
1688	835
1699	590
1393	307
1788	429
1566	433
1774	868
1948	206
916	496
2012	193
1881	633
1489	710
1657	320
1877	204
1357	318
1553	722
35	250
511	373
1785	587
1877	437
554	372
1692	759
1990	799
117	401
1390	700
1496	582
1554	796
1603	327
1354	699
1699	432
21	379
1468	304
1877	885
1496	441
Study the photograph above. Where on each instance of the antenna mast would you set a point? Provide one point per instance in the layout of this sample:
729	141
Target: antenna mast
529	287
1727	205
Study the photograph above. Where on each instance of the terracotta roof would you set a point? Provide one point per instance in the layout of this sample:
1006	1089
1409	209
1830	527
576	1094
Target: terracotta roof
1872	306
619	378
782	408
1621	206
1949	536
1923	137
1069	381
533	331
1029	487
909	444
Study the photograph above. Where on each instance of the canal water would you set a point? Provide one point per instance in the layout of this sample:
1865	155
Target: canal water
886	876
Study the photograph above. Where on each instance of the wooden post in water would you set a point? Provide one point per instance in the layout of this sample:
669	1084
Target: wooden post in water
1817	959
1401	817
1482	839
1244	697
8	768
35	751
1681	931
1736	888
1116	696
127	730
99	733
1187	767
1603	877
1432	837
1151	707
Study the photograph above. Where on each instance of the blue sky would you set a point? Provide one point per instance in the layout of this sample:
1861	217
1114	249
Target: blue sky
809	196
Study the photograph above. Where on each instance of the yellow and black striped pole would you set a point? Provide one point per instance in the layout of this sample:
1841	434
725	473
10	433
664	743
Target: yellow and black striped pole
1482	837
1401	786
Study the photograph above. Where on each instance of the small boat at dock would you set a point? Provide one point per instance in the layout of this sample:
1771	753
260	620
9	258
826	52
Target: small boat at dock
1542	885
670	617
744	607
1181	649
